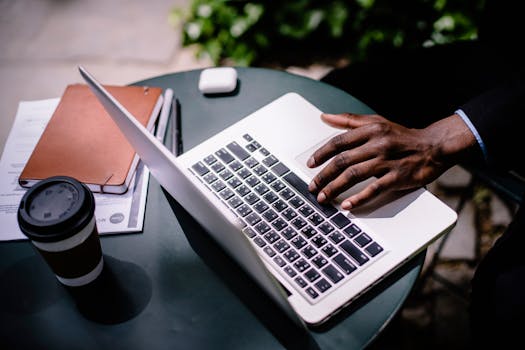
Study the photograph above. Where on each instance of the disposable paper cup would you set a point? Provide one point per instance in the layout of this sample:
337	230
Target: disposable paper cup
58	216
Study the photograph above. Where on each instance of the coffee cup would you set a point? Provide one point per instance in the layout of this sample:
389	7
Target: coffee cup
58	215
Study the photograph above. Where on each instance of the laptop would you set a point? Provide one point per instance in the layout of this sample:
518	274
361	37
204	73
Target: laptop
247	186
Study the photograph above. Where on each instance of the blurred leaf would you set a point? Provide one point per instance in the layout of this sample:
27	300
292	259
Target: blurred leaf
244	32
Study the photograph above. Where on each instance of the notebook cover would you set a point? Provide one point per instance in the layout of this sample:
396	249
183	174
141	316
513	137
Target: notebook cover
82	141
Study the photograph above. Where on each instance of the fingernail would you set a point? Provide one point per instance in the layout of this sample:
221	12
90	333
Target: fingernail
346	205
321	197
312	187
311	162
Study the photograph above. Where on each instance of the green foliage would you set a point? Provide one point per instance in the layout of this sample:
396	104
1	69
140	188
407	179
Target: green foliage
295	31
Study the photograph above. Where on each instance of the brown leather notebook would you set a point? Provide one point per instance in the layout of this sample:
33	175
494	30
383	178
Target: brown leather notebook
82	141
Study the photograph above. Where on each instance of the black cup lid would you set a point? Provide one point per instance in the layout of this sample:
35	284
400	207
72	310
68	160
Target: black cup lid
55	208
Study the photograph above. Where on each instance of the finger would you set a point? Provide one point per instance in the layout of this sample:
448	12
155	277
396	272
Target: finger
348	178
339	164
369	192
336	145
348	120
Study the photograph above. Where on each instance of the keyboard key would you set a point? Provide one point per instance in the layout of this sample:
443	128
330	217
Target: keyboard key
279	261
373	249
277	185
291	255
251	162
217	167
226	194
280	205
244	173
286	193
289	271
281	246
260	207
298	242
311	292
242	190
311	275
250	147
243	210
226	174
315	219
326	227
289	214
319	241
261	189
340	220
298	222
264	152
301	265
296	202
319	261
306	210
235	165
344	263
252	219
301	186
288	233
247	137
259	241
329	250
270	197
218	186
308	232
200	168
309	251
352	230
262	227
251	198
269	161
210	159
269	251
260	170
300	282
248	231
234	182
238	150
333	274
235	201
354	252
362	239
268	178
224	155
336	237
280	169
270	215
323	285
253	181
279	224
271	237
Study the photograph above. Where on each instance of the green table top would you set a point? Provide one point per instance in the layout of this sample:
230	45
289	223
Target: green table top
171	286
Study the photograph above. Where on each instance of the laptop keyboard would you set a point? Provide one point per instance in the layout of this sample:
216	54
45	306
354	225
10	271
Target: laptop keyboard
314	246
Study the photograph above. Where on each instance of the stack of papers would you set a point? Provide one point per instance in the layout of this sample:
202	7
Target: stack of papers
121	213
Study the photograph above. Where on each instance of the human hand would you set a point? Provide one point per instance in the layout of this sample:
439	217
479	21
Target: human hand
399	157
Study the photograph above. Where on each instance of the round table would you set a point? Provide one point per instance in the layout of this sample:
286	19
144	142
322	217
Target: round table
171	286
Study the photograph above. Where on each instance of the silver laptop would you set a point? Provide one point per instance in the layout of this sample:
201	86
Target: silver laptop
247	186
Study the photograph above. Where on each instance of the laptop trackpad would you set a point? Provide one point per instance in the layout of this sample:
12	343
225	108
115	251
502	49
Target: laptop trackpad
302	158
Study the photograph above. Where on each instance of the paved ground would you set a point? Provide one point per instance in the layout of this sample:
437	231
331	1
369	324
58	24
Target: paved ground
42	42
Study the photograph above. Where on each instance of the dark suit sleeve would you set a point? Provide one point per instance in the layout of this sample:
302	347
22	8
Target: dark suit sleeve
498	116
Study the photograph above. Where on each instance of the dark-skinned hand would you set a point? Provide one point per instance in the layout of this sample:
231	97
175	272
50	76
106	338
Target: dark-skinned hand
400	158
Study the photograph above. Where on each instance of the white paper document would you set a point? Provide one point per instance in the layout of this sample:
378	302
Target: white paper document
114	213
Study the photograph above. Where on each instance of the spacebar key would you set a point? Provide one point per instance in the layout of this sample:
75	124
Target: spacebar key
301	186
